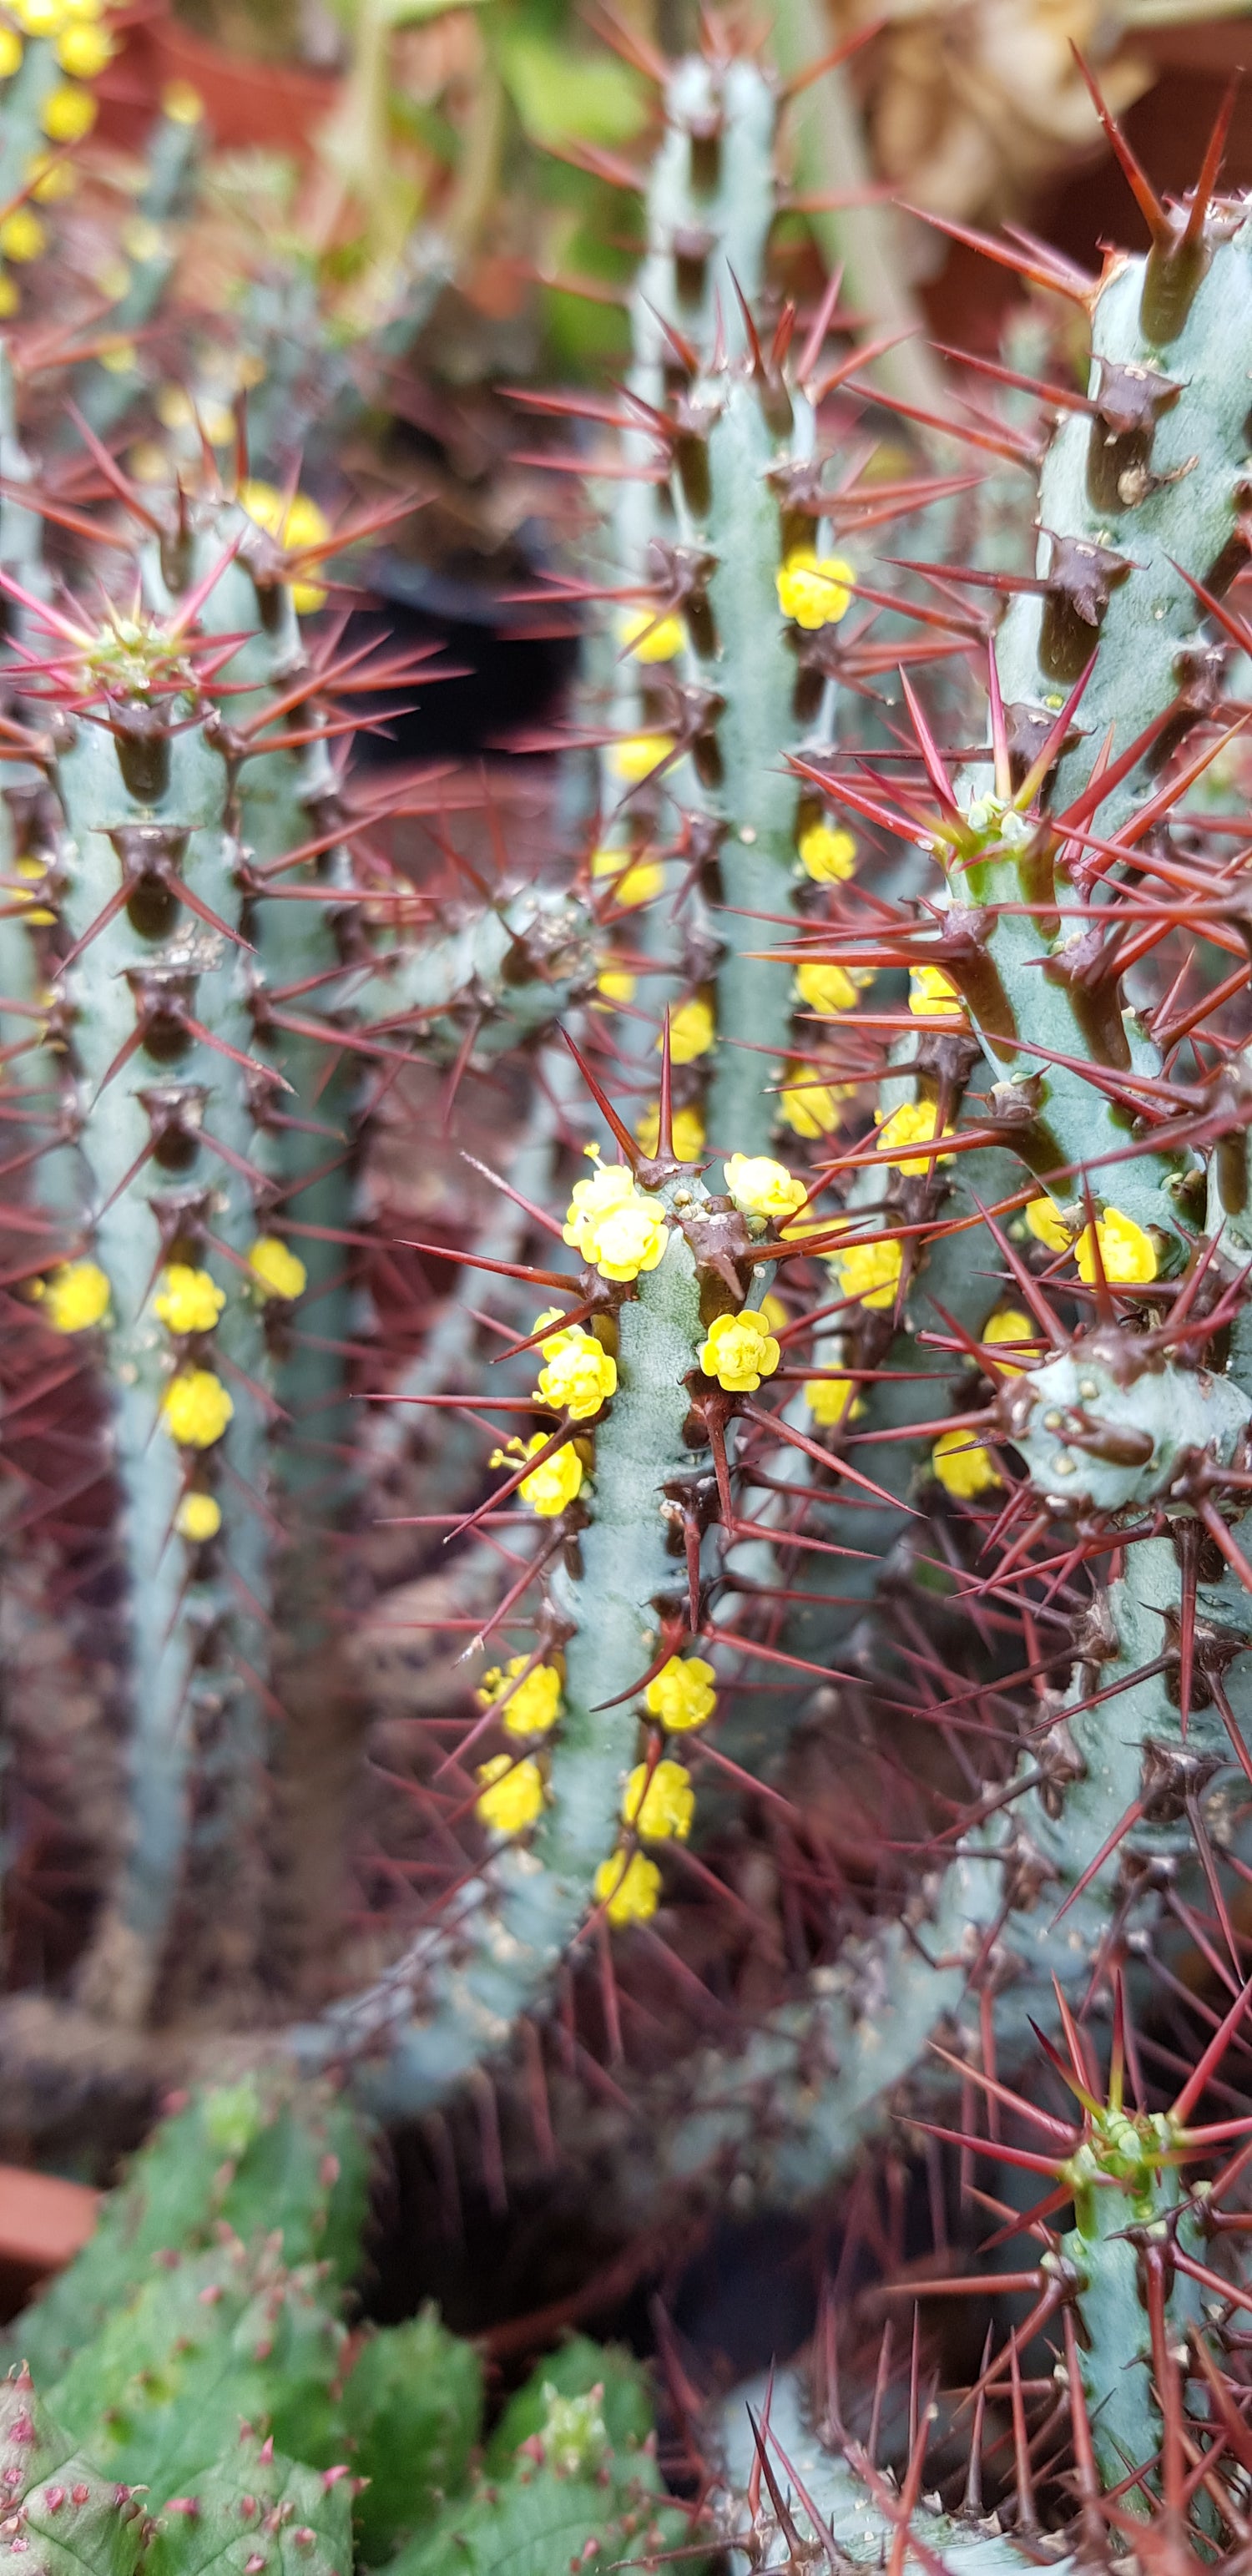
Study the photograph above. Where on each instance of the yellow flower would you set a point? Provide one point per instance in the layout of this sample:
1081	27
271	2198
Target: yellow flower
10	52
616	984
1048	1226
812	588
1009	1324
740	1351
830	1399
181	103
196	1408
825	988
870	1271
688	1132
198	1518
75	1297
827	854
551	1486
660	1805
84	50
533	1706
761	1187
511	1796
610	1186
913	1123
933	995
964	1468
1127	1254
653	638
692	1030
579	1377
774	1311
809	1106
68	113
635	881
629	1890
190	1301
682	1694
22	236
629	1239
293	523
277	1271
39	17
638	754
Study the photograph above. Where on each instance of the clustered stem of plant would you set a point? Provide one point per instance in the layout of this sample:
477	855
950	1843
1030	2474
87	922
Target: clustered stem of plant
894	1341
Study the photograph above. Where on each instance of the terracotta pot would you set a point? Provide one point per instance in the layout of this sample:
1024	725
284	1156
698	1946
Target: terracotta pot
274	106
43	2220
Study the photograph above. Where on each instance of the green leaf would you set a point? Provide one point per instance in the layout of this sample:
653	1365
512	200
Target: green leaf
562	96
58	2513
256	2507
412	2407
539	2525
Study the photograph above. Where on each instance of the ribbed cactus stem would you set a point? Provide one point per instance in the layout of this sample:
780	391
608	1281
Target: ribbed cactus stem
145	792
455	1995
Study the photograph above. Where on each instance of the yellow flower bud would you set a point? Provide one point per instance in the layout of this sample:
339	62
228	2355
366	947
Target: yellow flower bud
277	1271
634	880
740	1351
964	1468
293	523
1048	1226
189	1300
196	1408
651	637
688	1133
579	1377
774	1311
692	1030
660	1804
831	1399
75	1297
812	588
22	236
825	988
1008	1324
806	1104
869	1271
532	1706
933	995
827	854
9	297
615	984
638	754
198	1518
913	1123
1127	1254
763	1188
83	51
39	17
682	1694
629	1890
68	113
10	52
511	1796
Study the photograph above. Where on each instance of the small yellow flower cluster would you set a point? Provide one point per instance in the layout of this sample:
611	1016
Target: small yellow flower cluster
913	1123
740	1351
1009	1324
637	755
75	1297
277	1271
687	1127
826	853
617	1227
692	1030
682	1694
579	1375
551	1487
763	1188
825	988
933	995
869	1271
189	1301
198	1518
832	1399
511	1796
629	1888
196	1408
532	1705
1127	1254
652	635
813	589
963	1467
634	880
806	1104
293	521
659	1805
